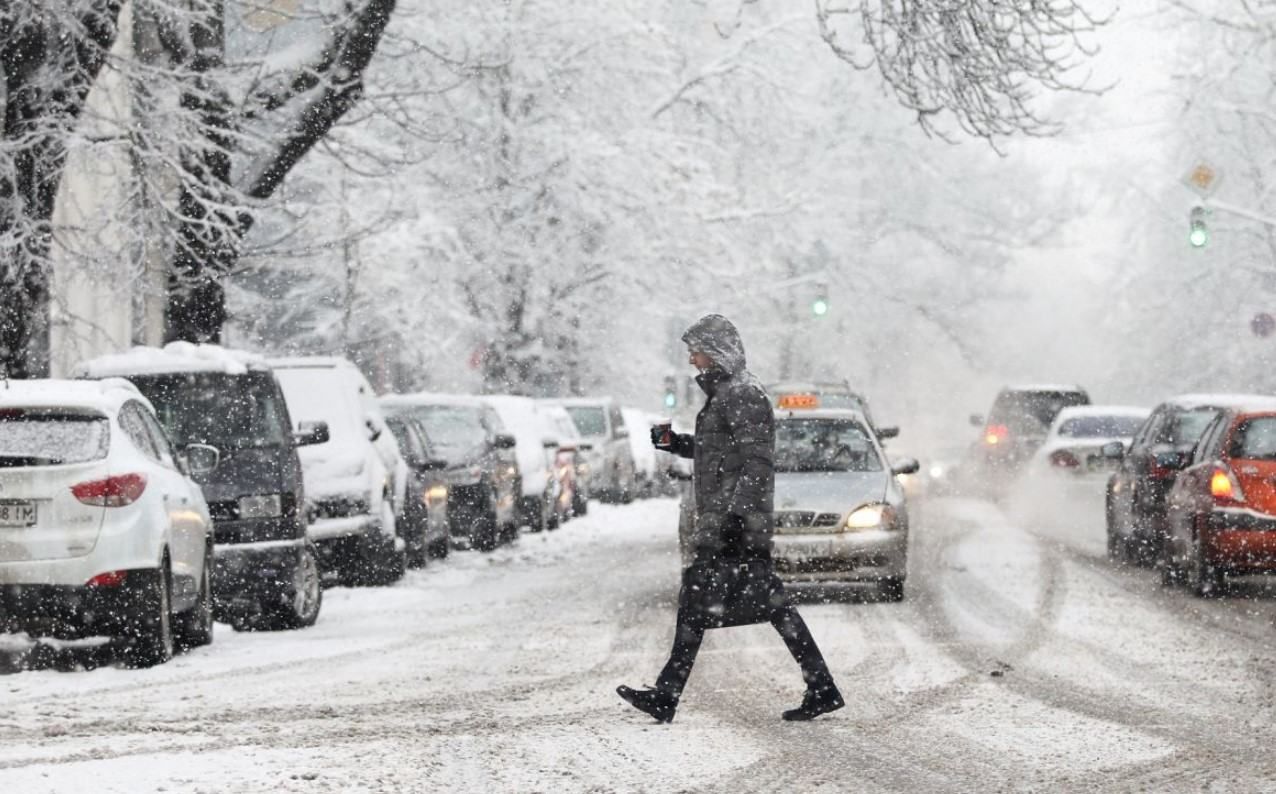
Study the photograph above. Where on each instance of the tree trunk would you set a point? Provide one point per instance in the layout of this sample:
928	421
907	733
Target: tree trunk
48	64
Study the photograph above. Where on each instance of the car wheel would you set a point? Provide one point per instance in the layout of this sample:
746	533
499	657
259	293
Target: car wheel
439	549
150	629
299	604
580	505
1207	580
891	589
194	628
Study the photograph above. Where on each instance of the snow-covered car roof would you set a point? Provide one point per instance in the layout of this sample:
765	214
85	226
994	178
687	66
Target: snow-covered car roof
1066	387
1101	410
107	395
580	400
1257	402
821	413
430	398
173	357
319	362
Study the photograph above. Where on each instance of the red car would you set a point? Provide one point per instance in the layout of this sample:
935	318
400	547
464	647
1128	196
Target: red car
1222	506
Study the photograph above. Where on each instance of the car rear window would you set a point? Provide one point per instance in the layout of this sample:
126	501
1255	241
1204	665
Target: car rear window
224	410
1185	429
1032	412
1100	426
1254	439
590	420
809	445
52	436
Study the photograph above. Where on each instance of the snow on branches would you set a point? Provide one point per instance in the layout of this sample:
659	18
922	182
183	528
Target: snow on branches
979	61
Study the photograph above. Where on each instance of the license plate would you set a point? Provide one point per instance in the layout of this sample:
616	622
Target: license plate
17	514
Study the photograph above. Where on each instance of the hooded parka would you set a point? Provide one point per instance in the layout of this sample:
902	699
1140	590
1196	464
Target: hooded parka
733	449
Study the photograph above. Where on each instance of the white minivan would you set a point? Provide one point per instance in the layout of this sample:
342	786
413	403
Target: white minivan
102	531
356	480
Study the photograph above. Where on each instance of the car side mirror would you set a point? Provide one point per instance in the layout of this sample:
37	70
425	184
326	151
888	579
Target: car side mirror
1113	450
504	441
310	433
887	432
200	459
976	420
622	432
1175	460
906	466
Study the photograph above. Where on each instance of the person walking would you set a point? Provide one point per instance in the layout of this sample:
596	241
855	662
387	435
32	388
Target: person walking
731	580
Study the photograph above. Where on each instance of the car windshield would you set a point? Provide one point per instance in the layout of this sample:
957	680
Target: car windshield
454	430
590	420
1254	439
216	408
1185	429
809	445
1100	426
50	436
1030	413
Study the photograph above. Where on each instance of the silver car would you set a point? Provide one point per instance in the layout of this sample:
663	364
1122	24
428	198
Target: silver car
840	514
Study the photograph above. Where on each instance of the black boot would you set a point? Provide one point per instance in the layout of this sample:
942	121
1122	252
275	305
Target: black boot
659	705
814	703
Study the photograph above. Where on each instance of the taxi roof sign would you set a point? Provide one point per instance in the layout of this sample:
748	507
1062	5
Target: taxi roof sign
798	401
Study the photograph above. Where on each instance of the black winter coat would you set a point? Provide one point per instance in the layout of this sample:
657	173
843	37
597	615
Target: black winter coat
731	579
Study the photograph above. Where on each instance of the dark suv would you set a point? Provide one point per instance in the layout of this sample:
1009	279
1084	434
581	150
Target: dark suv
1016	427
1136	494
265	572
481	473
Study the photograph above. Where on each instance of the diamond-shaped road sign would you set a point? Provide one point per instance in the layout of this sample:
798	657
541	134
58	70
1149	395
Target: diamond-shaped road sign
1203	178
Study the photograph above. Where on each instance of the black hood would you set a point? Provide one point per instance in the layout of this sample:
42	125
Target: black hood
716	337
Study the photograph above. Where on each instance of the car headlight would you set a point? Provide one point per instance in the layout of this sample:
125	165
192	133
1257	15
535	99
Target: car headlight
869	517
936	471
261	506
435	495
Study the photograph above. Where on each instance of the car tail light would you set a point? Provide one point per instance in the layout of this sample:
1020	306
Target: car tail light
1064	459
117	491
108	579
996	434
1224	487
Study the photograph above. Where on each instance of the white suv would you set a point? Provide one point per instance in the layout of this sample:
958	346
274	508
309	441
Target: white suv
101	530
355	481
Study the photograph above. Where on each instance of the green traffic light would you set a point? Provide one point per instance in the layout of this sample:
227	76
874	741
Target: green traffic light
1199	235
819	307
671	399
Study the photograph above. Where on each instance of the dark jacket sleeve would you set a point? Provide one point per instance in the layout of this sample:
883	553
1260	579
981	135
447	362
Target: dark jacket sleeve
752	424
684	445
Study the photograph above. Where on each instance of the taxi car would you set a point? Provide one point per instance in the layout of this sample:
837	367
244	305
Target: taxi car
841	515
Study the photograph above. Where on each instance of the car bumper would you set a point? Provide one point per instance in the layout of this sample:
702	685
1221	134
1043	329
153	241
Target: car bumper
65	612
1241	541
865	556
249	572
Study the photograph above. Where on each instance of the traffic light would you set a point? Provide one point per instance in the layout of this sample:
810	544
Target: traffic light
820	303
671	391
1199	233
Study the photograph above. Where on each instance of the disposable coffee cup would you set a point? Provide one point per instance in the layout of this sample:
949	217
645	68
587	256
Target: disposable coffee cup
665	426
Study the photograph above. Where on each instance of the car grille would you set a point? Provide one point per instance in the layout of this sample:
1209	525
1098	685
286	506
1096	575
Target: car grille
340	507
796	521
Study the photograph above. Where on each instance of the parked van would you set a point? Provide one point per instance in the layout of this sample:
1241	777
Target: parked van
354	482
265	573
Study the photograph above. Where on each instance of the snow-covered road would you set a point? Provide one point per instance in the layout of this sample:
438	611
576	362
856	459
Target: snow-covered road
1020	660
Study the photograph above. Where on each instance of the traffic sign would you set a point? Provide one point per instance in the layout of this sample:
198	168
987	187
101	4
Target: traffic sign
1263	325
1203	178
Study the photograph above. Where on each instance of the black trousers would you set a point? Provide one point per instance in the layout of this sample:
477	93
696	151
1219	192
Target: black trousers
786	620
